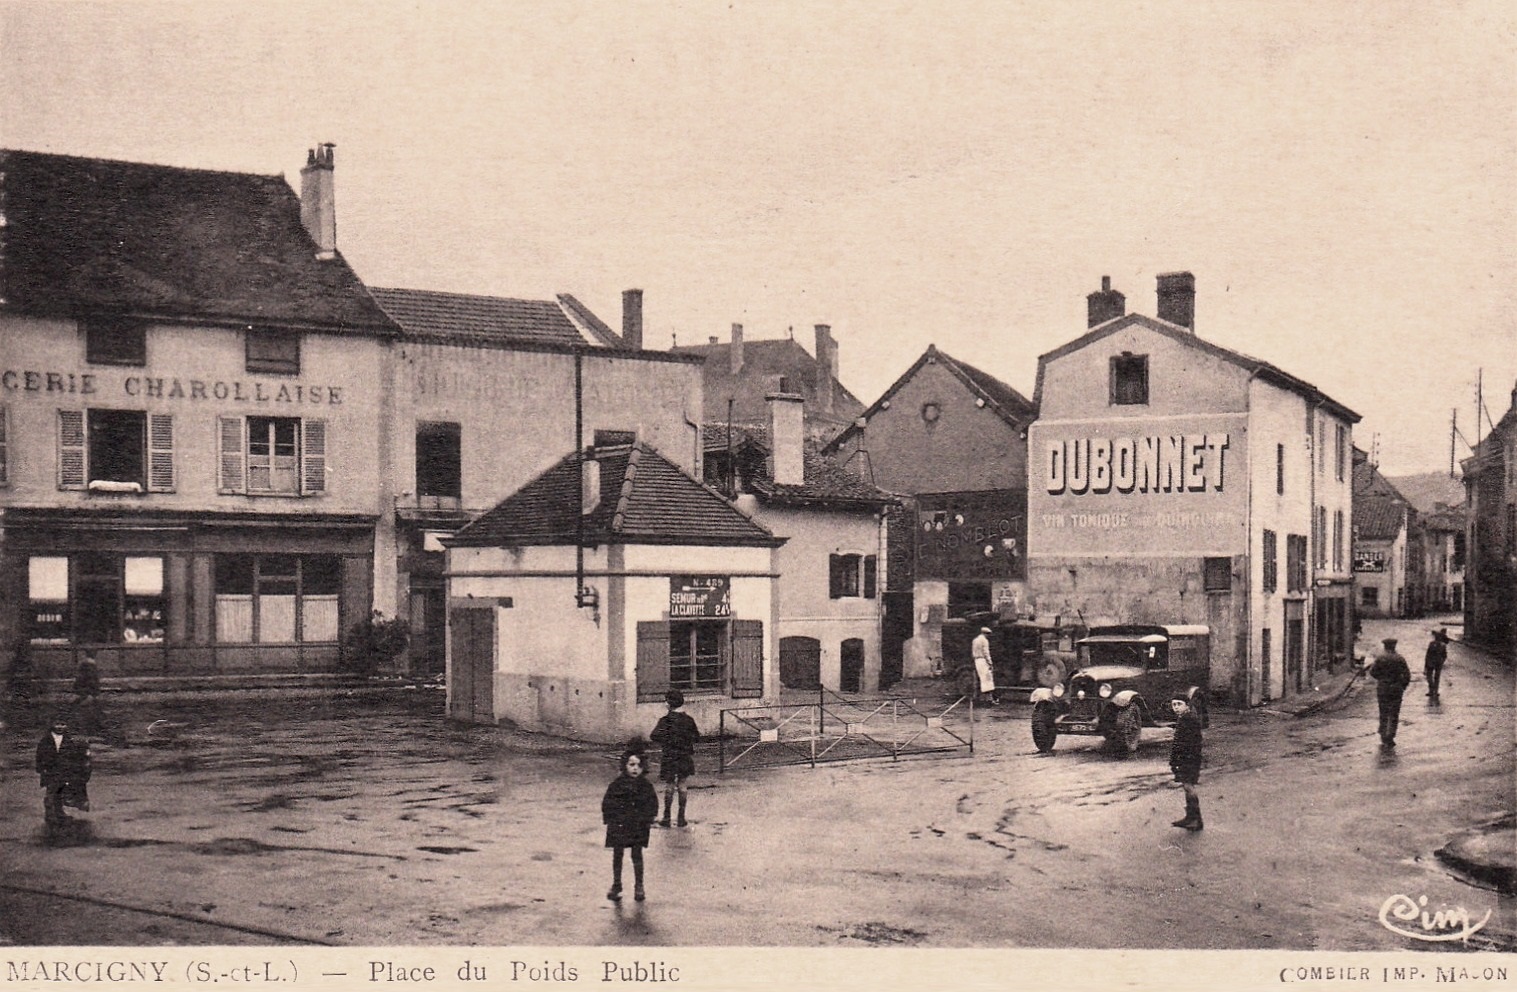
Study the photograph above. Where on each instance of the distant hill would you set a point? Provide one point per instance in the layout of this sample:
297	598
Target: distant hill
1428	488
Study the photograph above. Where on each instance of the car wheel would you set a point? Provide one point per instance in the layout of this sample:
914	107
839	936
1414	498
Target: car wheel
1044	731
1125	730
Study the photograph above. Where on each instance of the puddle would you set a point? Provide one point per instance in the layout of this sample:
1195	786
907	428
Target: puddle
448	850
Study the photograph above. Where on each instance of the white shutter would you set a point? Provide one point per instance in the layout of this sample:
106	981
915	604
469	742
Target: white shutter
313	455
71	448
229	471
160	452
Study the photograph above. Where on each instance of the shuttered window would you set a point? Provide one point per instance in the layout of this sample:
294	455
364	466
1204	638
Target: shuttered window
850	576
5	446
652	660
116	451
160	453
272	456
71	472
747	659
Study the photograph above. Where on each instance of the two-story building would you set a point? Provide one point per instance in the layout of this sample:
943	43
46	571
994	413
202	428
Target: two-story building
831	568
1490	479
1176	481
1387	546
191	386
952	439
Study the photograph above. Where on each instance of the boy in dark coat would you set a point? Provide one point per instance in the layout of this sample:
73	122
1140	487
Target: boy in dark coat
63	765
1432	662
677	734
1391	676
627	810
1185	760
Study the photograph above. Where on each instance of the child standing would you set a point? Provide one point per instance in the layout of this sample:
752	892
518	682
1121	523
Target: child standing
677	734
628	809
1185	760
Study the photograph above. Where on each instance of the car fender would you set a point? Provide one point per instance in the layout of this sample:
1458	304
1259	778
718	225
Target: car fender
1042	694
1195	693
1125	698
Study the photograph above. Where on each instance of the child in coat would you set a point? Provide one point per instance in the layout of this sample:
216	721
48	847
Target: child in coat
1185	760
628	810
677	734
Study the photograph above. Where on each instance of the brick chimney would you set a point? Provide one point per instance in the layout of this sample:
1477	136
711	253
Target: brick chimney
1177	299
826	367
632	319
737	348
1106	305
318	205
787	436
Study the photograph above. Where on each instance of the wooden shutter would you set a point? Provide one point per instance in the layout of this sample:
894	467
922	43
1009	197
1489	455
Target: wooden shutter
160	452
871	568
652	660
71	449
230	476
834	576
747	659
5	434
313	456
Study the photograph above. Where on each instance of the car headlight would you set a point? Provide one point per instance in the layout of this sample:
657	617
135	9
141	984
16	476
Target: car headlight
1058	690
1105	690
1080	694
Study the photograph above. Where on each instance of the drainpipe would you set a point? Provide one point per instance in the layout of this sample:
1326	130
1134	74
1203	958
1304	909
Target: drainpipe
579	479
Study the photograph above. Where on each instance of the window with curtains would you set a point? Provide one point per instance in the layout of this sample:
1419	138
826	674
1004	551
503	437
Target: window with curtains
277	599
97	597
276	456
851	576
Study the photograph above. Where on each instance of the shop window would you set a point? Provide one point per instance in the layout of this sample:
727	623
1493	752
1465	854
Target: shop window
1369	596
851	576
272	456
1271	562
272	351
47	593
277	599
1218	575
439	461
115	450
965	598
97	597
114	341
1129	379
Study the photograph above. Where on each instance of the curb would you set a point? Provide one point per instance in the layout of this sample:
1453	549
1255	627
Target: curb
1464	853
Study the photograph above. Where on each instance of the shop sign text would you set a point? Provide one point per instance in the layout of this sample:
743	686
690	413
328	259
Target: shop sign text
700	596
171	388
1165	464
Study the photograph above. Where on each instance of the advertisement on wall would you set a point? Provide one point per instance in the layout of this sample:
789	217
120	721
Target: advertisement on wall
1168	486
1369	561
972	535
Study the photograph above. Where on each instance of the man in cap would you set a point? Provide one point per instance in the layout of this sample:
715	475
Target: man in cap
1391	676
677	734
979	649
1432	664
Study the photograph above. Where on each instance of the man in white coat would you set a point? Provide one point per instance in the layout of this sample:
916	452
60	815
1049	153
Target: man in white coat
980	649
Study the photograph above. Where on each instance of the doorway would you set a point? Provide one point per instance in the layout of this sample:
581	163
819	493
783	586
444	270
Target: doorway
800	663
471	677
851	661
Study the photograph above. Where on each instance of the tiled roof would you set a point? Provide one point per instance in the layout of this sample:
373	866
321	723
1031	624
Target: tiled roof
764	362
644	499
1378	518
86	234
427	314
1427	490
1014	408
1184	335
827	484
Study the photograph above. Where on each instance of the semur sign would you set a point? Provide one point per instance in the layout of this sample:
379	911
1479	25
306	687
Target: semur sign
699	596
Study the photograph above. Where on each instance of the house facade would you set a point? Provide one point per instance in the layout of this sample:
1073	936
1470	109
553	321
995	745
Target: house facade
577	602
1175	481
1490	478
1386	549
952	440
192	383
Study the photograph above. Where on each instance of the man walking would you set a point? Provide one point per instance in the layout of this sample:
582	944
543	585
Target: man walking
1391	676
677	734
1432	664
62	764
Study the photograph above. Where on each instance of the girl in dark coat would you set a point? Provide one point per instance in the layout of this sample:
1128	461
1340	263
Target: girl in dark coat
628	810
1185	760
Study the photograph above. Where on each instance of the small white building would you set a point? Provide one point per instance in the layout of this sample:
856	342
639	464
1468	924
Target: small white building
577	602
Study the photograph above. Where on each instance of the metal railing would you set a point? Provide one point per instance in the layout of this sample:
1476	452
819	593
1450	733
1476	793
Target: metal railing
834	727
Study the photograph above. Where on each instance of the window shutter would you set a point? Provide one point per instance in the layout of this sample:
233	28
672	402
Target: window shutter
747	659
232	455
834	576
313	456
160	452
871	567
5	433
71	464
652	660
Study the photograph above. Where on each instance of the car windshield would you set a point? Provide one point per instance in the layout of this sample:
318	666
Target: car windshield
1118	653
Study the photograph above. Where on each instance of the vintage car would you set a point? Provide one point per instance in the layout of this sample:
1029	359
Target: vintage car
1024	653
1124	680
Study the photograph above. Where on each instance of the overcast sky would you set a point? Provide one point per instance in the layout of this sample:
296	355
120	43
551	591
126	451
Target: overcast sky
1338	176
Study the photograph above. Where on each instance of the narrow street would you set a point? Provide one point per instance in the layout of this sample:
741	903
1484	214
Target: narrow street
346	822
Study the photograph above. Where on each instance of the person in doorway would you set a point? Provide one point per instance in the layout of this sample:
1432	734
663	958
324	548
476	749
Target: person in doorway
676	734
63	765
1432	663
1185	760
1391	676
979	649
627	810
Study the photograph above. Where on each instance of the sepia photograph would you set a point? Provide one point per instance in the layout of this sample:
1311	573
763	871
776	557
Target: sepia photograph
734	495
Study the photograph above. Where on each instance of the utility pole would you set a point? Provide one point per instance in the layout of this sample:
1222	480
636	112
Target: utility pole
1453	438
